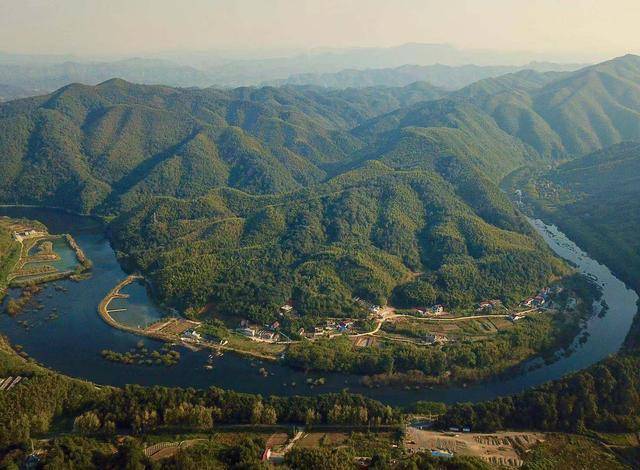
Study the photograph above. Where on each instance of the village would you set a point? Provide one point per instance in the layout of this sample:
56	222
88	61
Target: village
437	325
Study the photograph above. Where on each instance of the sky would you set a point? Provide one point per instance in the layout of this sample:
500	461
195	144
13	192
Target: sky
137	27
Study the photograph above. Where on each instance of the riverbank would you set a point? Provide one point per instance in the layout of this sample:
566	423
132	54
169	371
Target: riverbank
72	344
42	272
171	330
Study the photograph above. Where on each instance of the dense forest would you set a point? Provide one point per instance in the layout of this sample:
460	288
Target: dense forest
9	255
375	233
45	398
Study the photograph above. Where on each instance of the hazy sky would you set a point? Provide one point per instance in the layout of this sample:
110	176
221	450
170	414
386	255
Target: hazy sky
144	26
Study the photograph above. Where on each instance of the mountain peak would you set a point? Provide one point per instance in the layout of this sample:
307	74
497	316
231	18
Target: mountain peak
114	82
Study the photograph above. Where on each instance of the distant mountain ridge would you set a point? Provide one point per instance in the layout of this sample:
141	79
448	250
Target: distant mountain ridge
445	76
340	68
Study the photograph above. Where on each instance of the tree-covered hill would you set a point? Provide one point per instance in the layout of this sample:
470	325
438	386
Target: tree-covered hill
455	128
89	148
374	232
572	115
596	200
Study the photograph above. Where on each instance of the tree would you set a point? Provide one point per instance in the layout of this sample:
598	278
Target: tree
87	423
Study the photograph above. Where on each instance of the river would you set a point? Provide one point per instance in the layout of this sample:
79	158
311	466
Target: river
71	344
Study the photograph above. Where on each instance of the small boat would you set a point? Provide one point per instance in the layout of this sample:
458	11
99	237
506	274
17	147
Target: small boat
208	367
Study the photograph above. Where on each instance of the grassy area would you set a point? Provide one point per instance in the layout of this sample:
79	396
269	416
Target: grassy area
569	452
9	253
217	330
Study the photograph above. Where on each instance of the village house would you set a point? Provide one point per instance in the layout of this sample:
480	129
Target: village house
436	310
191	335
286	308
268	336
434	338
26	234
246	331
489	305
330	325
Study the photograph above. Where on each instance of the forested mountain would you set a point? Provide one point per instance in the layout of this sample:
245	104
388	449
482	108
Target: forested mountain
365	233
249	197
576	114
86	148
596	200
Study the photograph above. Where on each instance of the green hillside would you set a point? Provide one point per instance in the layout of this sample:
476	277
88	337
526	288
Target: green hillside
596	200
375	232
571	115
9	254
94	148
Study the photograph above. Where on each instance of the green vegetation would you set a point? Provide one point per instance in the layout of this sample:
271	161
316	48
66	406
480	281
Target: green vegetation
16	305
141	355
365	233
567	115
595	200
9	254
603	397
473	349
561	451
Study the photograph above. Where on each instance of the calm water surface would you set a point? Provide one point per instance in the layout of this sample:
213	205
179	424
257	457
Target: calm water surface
72	343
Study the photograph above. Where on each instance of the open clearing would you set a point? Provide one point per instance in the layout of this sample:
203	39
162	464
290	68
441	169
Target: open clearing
497	448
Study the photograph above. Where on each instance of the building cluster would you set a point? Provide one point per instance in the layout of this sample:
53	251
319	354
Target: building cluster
269	334
488	305
430	311
542	298
435	338
373	308
191	336
331	326
27	234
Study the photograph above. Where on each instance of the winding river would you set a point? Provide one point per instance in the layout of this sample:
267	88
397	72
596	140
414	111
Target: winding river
71	343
